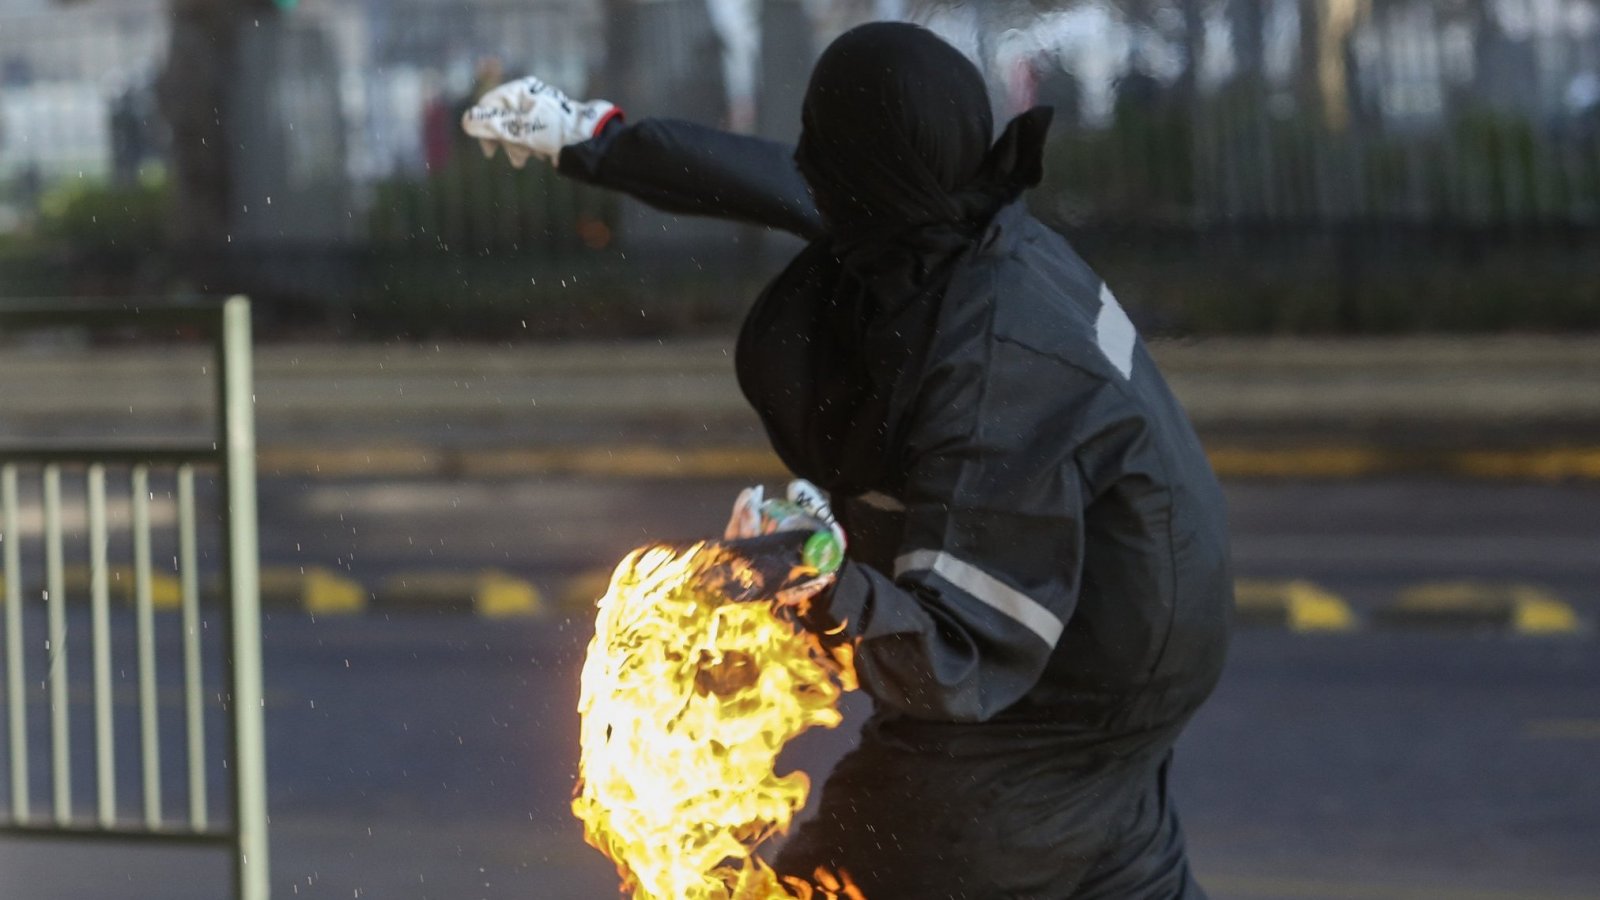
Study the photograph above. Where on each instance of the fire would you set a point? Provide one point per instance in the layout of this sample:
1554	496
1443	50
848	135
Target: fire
691	688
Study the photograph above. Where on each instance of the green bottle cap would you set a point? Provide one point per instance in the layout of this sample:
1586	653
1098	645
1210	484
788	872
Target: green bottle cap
823	552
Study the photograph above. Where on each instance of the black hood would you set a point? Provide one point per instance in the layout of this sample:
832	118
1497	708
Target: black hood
896	148
897	138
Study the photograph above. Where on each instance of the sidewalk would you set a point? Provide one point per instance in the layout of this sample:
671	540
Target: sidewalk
1482	405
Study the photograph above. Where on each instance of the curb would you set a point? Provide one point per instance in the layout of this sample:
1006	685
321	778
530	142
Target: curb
605	461
1299	606
320	591
653	461
486	593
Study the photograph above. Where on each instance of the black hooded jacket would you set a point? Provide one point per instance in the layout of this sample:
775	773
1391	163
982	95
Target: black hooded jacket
1037	542
1048	534
1036	538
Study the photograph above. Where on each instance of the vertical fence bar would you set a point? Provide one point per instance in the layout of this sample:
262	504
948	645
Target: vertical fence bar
17	700
100	610
250	776
60	726
193	675
144	605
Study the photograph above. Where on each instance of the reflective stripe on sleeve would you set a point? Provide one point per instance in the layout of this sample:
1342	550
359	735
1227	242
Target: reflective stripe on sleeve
990	590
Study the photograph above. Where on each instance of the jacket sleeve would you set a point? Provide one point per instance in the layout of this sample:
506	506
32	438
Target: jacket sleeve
988	567
681	167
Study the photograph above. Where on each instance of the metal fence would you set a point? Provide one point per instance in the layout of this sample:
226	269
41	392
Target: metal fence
349	175
38	472
1244	109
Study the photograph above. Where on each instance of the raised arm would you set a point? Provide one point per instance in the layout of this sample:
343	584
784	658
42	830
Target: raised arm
676	166
686	168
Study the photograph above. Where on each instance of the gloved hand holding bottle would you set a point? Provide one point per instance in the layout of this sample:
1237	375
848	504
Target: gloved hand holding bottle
804	515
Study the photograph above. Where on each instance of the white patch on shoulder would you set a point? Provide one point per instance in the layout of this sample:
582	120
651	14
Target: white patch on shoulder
1115	333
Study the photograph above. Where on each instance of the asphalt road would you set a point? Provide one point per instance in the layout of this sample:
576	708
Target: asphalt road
432	756
426	757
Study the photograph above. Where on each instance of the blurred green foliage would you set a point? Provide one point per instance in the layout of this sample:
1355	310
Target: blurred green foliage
1236	221
99	218
1231	161
1355	280
472	205
90	238
1139	169
513	297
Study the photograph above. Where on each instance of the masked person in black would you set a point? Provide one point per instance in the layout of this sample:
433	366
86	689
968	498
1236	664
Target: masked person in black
1038	578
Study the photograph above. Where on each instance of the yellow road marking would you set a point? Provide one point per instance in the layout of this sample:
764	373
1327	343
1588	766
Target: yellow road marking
315	589
629	461
1527	608
1303	605
1550	465
1300	605
166	593
327	593
652	461
502	596
489	593
616	461
1540	613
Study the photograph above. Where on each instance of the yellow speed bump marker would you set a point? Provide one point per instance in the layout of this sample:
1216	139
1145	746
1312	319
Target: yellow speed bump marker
315	589
628	461
503	596
165	591
327	593
1557	464
1537	612
1523	608
490	593
1300	605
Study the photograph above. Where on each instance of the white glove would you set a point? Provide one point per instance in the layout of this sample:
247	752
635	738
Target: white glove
531	118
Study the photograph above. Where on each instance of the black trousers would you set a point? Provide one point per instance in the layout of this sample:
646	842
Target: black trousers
909	824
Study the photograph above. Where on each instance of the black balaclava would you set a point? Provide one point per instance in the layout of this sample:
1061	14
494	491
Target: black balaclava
896	138
896	148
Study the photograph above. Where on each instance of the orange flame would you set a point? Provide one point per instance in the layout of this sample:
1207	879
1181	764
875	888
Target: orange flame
687	698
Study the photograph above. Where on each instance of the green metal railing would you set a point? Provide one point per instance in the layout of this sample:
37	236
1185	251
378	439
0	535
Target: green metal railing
232	453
